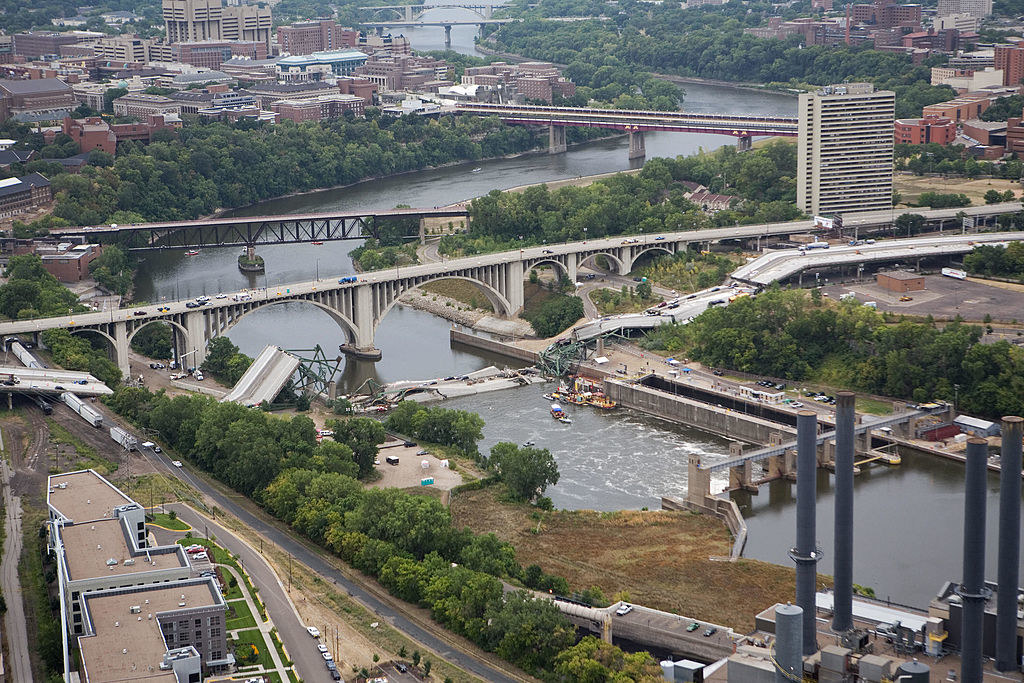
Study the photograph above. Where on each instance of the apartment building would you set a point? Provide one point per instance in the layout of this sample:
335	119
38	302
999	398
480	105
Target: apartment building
321	35
845	149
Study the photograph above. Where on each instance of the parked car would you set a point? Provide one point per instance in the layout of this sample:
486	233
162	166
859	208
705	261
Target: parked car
711	630
693	627
176	463
321	647
625	609
313	631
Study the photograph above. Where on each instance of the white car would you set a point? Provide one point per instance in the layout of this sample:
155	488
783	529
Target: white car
198	376
221	296
176	463
313	631
328	657
200	556
624	610
148	444
321	647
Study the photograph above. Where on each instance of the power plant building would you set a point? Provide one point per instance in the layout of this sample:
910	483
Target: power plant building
845	149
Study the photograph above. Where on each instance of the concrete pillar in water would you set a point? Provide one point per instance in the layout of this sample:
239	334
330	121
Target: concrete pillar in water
637	149
556	139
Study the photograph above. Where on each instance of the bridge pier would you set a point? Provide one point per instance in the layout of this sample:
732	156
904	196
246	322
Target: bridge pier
380	30
448	36
637	150
556	139
121	349
744	143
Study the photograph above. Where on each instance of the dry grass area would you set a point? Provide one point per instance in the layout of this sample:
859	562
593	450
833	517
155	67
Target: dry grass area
460	290
655	558
912	187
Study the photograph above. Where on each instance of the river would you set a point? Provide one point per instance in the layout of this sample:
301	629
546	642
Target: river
908	519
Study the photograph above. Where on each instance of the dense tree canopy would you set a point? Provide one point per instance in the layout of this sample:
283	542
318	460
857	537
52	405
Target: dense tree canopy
526	471
31	292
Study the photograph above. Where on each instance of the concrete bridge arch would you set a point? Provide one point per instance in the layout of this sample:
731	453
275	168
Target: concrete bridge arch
501	305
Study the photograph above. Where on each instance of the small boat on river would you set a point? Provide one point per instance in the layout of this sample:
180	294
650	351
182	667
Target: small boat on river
559	414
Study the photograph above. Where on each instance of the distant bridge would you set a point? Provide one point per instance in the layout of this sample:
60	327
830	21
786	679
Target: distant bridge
413	13
447	24
635	122
253	230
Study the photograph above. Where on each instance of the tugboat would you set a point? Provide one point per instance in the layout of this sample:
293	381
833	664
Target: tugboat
559	414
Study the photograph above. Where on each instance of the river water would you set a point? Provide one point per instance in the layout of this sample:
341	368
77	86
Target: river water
908	519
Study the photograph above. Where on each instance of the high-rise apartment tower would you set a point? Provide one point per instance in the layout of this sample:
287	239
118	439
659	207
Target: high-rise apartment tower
845	149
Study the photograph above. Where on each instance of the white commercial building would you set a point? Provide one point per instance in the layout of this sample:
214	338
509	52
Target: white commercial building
845	149
975	8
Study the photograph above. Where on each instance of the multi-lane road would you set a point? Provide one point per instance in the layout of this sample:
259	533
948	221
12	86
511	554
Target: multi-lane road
310	667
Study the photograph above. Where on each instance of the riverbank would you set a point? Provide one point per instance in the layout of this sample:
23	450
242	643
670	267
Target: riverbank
461	314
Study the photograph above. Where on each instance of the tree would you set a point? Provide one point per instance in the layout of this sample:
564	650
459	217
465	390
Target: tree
110	95
644	290
910	223
993	197
362	435
527	471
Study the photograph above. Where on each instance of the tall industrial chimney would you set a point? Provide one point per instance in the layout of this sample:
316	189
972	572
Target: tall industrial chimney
806	553
842	620
789	664
1009	545
972	589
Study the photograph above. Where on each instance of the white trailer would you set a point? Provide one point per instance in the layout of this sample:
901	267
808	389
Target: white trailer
23	354
955	273
127	441
82	408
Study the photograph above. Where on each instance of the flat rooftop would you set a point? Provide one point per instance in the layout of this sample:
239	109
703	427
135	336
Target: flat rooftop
84	495
90	546
900	275
130	647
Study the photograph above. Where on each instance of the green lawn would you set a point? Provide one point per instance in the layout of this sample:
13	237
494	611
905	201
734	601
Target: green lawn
230	592
254	637
240	616
873	406
221	556
164	520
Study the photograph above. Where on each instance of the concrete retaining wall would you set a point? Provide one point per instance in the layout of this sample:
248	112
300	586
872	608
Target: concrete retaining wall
721	421
722	508
493	345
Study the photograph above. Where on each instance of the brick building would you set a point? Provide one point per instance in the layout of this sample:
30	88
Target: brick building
18	195
319	108
967	106
36	44
44	99
67	262
211	54
886	14
307	37
1010	59
360	87
90	133
900	281
371	44
268	93
404	72
928	129
1015	134
530	80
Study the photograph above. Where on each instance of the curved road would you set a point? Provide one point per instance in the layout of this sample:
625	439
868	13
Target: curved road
318	564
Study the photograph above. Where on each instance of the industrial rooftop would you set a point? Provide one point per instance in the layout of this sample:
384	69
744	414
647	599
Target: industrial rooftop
83	496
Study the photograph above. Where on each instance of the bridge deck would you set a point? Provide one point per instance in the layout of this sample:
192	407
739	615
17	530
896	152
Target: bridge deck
769	451
265	378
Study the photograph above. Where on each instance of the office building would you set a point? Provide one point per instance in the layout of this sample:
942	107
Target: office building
18	195
188	21
845	149
36	44
975	8
962	108
319	108
922	131
141	105
886	14
307	37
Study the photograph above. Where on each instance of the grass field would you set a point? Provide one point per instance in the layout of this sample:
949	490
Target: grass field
912	187
460	290
657	559
239	616
167	522
254	637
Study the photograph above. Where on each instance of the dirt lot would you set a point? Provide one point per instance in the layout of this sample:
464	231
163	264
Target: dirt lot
659	559
409	471
912	187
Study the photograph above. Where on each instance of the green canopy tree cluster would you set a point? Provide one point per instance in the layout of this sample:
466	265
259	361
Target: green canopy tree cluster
783	334
456	428
526	471
224	361
1000	261
31	292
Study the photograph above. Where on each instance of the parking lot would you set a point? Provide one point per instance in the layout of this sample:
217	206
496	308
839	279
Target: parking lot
943	297
410	471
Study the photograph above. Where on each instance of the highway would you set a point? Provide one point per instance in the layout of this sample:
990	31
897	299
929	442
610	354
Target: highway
315	561
780	265
49	381
265	378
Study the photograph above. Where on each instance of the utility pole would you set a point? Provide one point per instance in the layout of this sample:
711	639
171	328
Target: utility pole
289	572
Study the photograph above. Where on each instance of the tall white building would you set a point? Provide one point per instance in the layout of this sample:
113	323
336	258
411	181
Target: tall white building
198	20
975	8
845	149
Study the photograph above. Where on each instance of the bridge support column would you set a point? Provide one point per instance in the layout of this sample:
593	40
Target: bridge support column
408	13
362	315
380	30
514	273
744	143
698	483
556	139
637	150
196	340
480	33
448	36
121	348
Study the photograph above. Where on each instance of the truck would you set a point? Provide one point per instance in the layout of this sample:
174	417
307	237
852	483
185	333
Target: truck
815	245
84	411
127	441
955	273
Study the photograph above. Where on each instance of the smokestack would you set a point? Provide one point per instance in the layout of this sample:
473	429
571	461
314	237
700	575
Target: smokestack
788	626
972	588
806	553
1009	545
842	620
